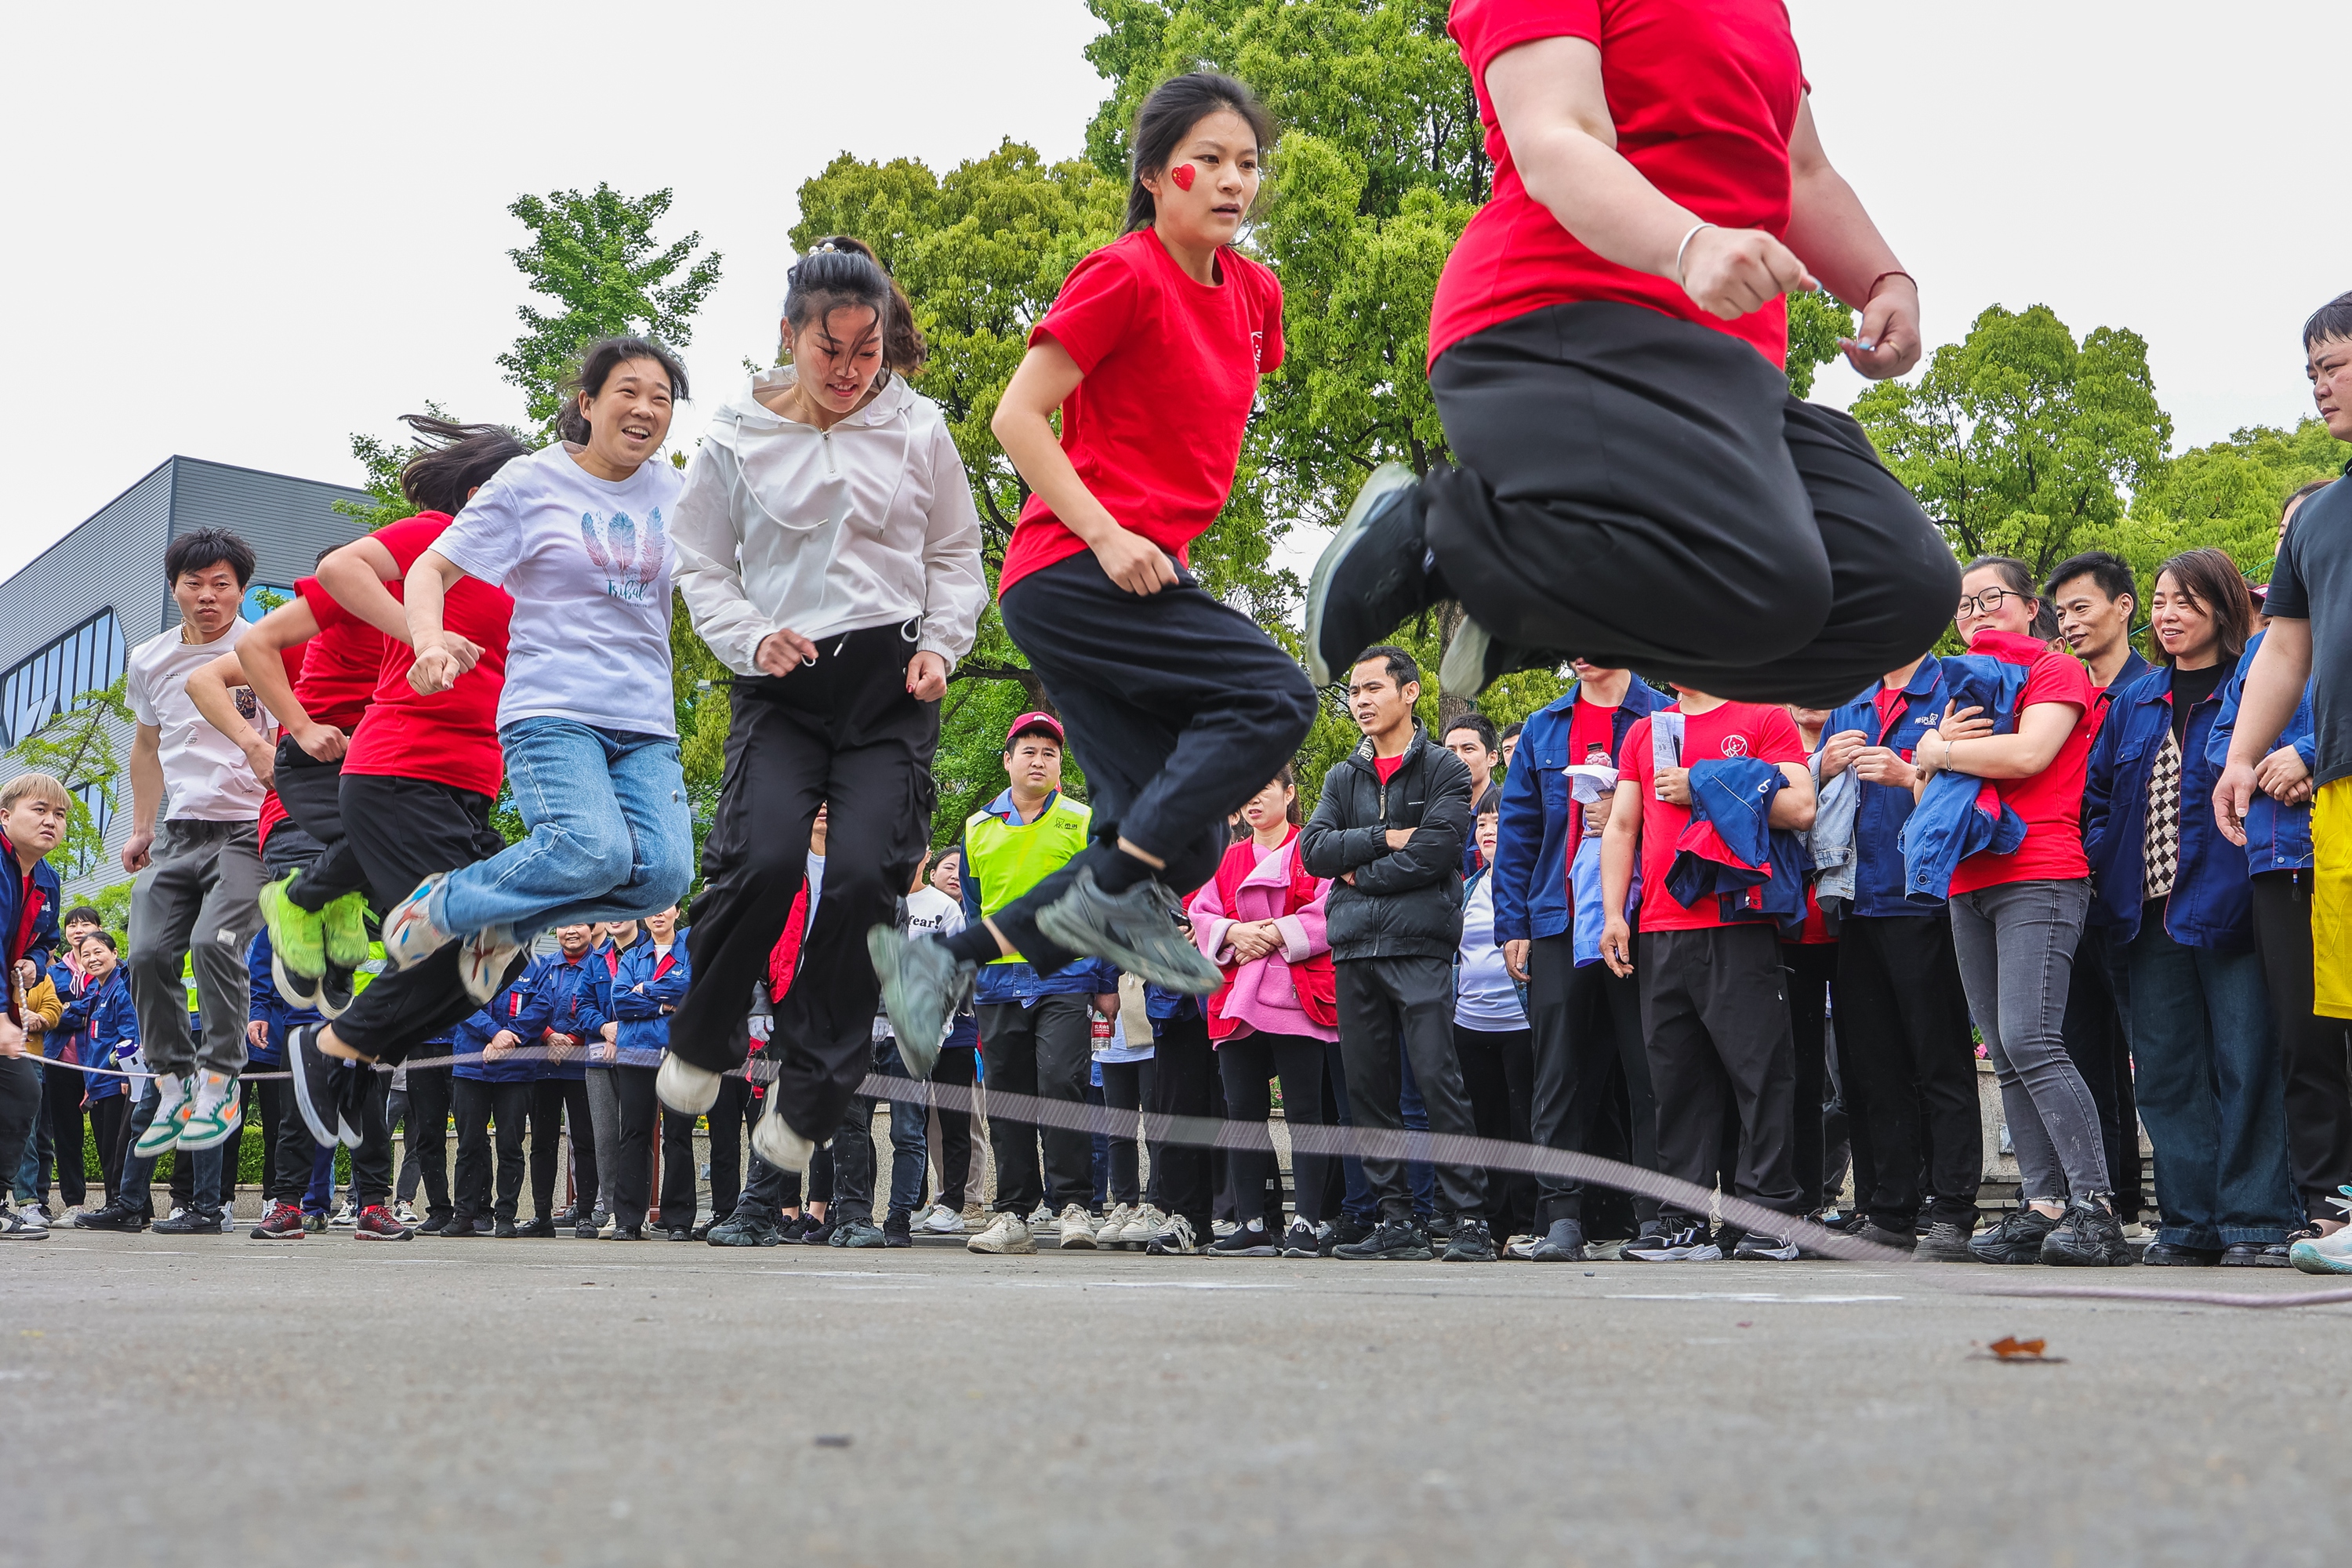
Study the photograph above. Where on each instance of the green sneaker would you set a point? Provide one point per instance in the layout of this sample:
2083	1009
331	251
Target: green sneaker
346	930
296	936
171	1115
214	1113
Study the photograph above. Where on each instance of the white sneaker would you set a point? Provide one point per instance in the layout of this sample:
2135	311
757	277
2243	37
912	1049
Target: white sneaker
1006	1233
1078	1229
482	966
1113	1224
1522	1248
1222	1228
409	935
686	1088
1175	1240
20	1225
940	1220
1040	1217
346	1218
2327	1254
1141	1229
408	1216
33	1218
773	1139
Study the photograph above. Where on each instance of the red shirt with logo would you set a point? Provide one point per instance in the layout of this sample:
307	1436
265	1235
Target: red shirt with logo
1729	729
1172	368
2050	802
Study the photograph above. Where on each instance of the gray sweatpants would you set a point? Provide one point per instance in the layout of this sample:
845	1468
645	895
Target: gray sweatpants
604	1124
197	900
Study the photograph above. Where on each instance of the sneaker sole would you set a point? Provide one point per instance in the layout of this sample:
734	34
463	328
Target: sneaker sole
1016	1251
313	1122
1197	978
884	948
686	1088
399	950
211	1140
1707	1254
1388	477
302	990
2307	1258
375	1235
1463	672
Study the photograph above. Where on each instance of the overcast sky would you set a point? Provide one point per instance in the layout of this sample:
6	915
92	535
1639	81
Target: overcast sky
244	232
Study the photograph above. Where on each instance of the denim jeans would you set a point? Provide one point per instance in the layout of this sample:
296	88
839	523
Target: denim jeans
2016	946
910	1130
139	1175
27	1178
611	836
2211	1092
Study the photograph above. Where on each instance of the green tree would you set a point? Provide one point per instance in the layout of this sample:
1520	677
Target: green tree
1816	322
77	748
595	254
2227	494
2021	441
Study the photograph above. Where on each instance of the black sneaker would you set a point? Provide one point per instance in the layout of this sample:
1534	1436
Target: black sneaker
1473	1242
628	1233
2017	1238
1756	1247
820	1233
542	1227
1947	1241
1438	1226
1690	1243
1345	1231
115	1216
564	1219
587	1229
2089	1236
1877	1235
1392	1241
1304	1240
2165	1254
794	1230
743	1230
678	1233
1246	1241
898	1229
2256	1255
191	1221
1562	1243
922	985
319	1083
1373	576
856	1231
1136	930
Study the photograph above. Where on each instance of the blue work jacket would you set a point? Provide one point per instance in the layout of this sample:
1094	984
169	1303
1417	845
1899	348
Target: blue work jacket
521	1010
1880	885
2278	837
1958	814
578	998
112	1022
2211	902
647	989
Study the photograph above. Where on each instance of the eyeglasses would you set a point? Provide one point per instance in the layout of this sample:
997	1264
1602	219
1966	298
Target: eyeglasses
1988	602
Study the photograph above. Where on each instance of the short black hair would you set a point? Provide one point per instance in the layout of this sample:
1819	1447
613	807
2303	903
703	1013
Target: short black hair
201	549
454	460
82	914
1402	669
2109	571
105	936
596	366
1510	732
2333	319
1489	805
1474	719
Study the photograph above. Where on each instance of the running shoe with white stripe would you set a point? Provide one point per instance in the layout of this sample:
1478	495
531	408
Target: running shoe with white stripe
488	959
410	937
172	1104
1691	1243
941	1220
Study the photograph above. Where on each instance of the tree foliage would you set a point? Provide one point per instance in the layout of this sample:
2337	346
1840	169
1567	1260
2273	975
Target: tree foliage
2227	494
77	748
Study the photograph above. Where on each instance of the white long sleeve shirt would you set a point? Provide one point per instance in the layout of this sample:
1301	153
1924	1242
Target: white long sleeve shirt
870	523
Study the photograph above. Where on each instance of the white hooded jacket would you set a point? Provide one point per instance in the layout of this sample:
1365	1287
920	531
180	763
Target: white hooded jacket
867	524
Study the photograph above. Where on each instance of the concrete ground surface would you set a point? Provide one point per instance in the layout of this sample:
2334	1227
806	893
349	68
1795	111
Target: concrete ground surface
330	1402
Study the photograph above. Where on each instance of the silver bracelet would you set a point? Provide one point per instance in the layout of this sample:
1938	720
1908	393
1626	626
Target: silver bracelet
1682	248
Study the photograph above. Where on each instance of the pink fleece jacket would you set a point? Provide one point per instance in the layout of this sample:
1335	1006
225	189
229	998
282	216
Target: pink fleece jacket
1263	996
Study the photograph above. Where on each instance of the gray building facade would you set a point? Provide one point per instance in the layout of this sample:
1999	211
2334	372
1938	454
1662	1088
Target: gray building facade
70	618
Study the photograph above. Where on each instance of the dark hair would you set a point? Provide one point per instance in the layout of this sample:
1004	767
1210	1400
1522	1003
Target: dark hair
844	271
457	460
597	367
202	548
1509	730
2309	488
2333	319
1168	117
1287	777
1401	668
2109	572
105	936
2213	584
2015	575
82	914
1474	719
1036	727
1489	805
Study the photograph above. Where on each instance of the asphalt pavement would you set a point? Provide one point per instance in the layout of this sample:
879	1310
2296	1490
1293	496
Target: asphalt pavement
203	1401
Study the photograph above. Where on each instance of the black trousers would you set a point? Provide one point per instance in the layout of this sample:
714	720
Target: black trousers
1047	1051
681	1192
1171	743
840	732
1808	971
61	1092
428	1126
1391	1008
958	1066
479	1104
403	830
551	1099
109	1120
1127	1087
633	1182
2313	1049
1640	490
2096	1034
20	1107
1584	1023
1715	1012
1184	1083
1248	1065
311	793
1498	1072
1908	1070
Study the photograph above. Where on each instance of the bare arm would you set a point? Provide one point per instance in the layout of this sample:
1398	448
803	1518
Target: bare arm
260	654
1024	428
1619	842
2042	730
356	575
208	688
438	662
2274	689
1828	228
146	795
1793	807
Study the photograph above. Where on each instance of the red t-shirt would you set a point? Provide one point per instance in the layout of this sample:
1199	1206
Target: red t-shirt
339	672
2050	802
1172	368
1889	702
451	737
1590	727
1387	766
1704	95
1730	730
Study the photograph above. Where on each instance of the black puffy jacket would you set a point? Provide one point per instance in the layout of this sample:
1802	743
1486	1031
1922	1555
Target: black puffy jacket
1404	903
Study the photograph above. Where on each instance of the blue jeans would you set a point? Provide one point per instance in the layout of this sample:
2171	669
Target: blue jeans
139	1175
26	1179
2211	1092
611	836
909	1131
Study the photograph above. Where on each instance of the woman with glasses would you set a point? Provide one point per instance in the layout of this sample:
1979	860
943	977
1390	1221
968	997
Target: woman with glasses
2016	919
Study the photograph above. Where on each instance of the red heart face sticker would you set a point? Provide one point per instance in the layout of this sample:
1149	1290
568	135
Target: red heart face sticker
1183	174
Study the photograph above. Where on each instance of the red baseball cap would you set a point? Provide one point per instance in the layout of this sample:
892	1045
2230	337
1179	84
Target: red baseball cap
1028	721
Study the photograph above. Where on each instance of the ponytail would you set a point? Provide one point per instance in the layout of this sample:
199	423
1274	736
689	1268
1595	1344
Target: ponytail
841	271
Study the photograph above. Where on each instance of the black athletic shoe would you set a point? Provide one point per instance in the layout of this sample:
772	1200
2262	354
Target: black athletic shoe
743	1230
434	1224
1345	1231
1473	1242
2165	1254
628	1233
678	1233
504	1230
460	1227
856	1231
2089	1236
1693	1242
338	989
1136	930
1947	1241
922	985
791	1232
587	1229
2017	1238
564	1219
191	1222
1438	1226
2256	1255
1372	577
116	1215
1245	1241
1902	1240
1755	1247
1393	1241
898	1229
820	1233
319	1081
543	1229
1562	1243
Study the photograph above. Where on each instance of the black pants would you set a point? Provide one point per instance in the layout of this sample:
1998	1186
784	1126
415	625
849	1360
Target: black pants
1908	1070
1640	490
1047	1051
479	1105
633	1182
1391	1008
1248	1065
1715	1013
311	793
2312	1048
2096	1034
425	1120
550	1099
20	1108
108	1120
1184	1083
768	1192
1171	743
1809	969
403	830
61	1092
840	732
1127	1087
959	1066
1499	1071
1584	1021
681	1192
